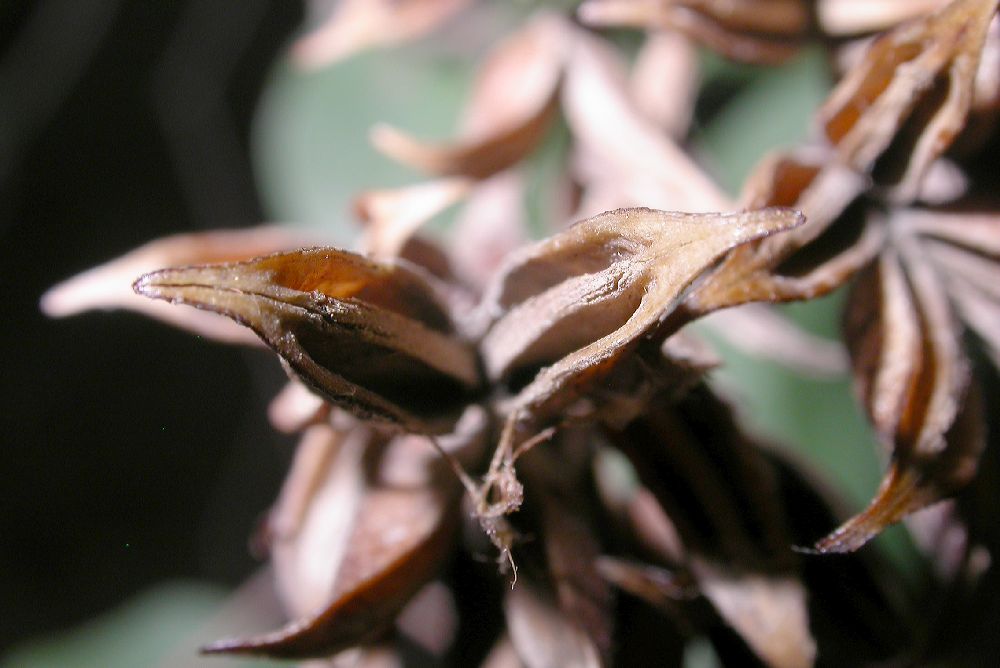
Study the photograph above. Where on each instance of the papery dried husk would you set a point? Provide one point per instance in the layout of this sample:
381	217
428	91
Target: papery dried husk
885	116
718	494
664	82
913	378
542	634
296	407
897	111
556	478
108	286
856	606
854	17
762	31
359	24
622	158
965	249
512	105
373	338
363	524
804	263
489	227
392	216
580	301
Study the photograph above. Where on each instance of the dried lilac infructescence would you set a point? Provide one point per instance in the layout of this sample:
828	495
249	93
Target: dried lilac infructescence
541	407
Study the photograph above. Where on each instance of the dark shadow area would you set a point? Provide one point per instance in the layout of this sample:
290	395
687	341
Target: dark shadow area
132	452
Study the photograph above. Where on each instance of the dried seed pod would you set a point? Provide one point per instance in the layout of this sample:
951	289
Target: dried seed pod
515	100
392	216
809	261
904	103
965	250
581	299
622	158
913	378
107	286
373	338
361	527
854	17
718	514
761	31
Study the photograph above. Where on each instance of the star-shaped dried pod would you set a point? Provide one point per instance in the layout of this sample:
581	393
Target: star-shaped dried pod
363	523
579	301
892	116
964	248
904	103
762	31
373	337
913	377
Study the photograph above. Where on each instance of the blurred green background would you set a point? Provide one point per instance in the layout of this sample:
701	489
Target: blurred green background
139	458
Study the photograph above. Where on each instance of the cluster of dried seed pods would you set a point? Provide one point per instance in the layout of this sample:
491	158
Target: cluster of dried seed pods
548	392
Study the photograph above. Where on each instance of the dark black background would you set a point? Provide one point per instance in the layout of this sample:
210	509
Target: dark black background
131	452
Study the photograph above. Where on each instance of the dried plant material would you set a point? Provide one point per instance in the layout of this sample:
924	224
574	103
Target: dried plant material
761	331
965	250
430	620
913	379
908	98
622	158
107	286
359	24
378	523
503	655
489	227
477	160
296	407
987	95
513	104
853	17
657	586
807	262
944	182
664	82
769	613
571	551
569	361
762	31
311	522
856	612
542	635
372	338
518	78
583	298
392	216
704	474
